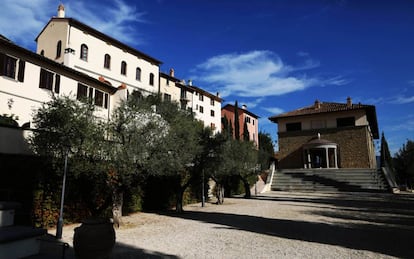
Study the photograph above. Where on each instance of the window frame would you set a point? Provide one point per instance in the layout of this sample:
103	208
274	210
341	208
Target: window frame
124	68
293	126
107	61
84	51
138	73
345	122
59	49
151	79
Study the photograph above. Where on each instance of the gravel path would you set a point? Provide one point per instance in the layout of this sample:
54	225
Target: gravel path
273	225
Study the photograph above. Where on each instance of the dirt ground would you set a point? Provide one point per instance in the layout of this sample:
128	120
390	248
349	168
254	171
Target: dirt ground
272	225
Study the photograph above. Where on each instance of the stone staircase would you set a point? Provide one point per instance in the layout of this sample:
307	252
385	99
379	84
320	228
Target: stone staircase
329	180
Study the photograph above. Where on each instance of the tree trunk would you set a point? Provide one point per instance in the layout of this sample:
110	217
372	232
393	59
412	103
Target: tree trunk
117	203
246	184
179	202
220	193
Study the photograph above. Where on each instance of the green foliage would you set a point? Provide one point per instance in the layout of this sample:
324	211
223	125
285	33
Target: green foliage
246	134
236	121
266	150
404	164
227	128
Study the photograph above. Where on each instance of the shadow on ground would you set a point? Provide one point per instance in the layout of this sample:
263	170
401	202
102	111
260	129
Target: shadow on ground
392	237
50	248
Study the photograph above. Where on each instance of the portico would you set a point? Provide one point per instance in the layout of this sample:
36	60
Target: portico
320	153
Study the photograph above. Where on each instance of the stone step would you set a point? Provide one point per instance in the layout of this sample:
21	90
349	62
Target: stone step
329	180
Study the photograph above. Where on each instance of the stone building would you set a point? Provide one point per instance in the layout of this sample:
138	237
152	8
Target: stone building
328	135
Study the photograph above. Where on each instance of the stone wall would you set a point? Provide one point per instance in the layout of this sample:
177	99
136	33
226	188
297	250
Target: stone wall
355	147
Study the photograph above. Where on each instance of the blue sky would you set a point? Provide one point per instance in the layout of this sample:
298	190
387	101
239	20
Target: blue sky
272	55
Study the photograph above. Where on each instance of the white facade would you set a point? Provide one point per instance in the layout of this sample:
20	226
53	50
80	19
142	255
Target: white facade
28	80
205	106
85	49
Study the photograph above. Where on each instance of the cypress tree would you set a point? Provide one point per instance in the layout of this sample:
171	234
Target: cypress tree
236	122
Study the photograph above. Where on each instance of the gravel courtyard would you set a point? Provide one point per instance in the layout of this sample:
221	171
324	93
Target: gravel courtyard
273	225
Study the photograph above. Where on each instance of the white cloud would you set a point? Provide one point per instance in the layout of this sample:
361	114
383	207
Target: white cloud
258	73
115	19
403	100
273	110
21	21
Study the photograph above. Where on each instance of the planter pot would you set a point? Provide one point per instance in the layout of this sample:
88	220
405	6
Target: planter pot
94	238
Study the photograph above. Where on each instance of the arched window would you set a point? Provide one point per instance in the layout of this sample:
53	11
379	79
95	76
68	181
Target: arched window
138	74
123	68
151	79
84	52
107	61
58	49
42	52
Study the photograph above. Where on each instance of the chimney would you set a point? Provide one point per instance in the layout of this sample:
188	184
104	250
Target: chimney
218	94
317	105
172	72
244	107
190	82
348	102
61	11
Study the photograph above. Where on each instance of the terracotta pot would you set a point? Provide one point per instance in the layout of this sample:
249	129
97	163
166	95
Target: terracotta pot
94	238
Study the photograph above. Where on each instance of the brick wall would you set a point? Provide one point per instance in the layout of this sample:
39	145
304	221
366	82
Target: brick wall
355	147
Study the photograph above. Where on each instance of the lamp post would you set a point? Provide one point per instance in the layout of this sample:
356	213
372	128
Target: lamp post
62	200
203	199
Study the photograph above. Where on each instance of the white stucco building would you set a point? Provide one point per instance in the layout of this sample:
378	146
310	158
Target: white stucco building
81	47
205	106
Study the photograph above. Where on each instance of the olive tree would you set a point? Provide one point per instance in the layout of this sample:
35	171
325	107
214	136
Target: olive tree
134	131
176	155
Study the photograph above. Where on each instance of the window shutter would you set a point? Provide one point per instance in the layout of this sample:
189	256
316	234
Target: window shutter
20	74
2	61
57	83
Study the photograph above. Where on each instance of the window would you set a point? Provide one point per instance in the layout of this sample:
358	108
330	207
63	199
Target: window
345	122
318	124
47	79
8	66
212	113
151	79
212	102
59	49
167	97
123	68
82	93
107	61
253	121
57	83
84	52
42	52
138	74
183	94
98	97
295	126
247	119
212	126
201	109
201	97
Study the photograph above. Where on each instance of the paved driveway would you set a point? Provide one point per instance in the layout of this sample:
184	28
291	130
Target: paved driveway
274	225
